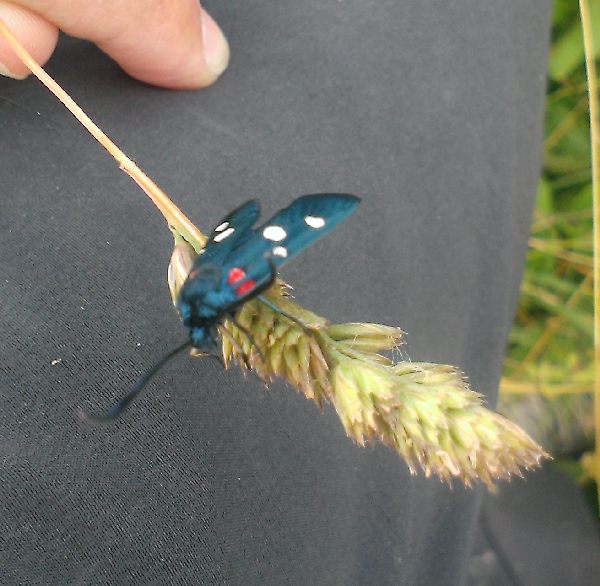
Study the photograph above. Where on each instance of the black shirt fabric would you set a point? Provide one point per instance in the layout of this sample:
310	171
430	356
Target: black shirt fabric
432	114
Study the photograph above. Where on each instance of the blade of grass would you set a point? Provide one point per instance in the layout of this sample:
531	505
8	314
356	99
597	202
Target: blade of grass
552	326
556	250
556	306
566	125
557	283
517	387
590	65
548	221
566	90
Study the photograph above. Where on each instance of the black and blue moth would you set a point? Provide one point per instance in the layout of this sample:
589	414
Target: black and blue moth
240	261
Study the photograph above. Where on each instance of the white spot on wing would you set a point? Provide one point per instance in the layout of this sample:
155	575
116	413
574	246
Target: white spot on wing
222	227
274	233
314	221
280	251
220	237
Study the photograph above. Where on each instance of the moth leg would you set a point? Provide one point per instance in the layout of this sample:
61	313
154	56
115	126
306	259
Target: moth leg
227	334
280	311
220	359
248	335
272	305
195	352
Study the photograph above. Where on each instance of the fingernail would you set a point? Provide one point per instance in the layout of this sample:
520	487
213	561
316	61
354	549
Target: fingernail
216	47
6	73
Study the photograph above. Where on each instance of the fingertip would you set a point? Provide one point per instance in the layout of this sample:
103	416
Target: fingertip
203	63
216	47
181	49
37	35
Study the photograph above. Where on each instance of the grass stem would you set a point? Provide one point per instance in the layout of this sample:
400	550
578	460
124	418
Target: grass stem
590	65
167	208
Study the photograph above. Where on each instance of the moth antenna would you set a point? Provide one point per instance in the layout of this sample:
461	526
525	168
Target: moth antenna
123	403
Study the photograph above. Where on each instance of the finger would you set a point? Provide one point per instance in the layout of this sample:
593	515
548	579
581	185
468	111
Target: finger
34	32
170	43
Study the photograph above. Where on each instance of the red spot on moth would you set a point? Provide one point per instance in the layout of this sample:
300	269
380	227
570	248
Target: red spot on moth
234	275
245	287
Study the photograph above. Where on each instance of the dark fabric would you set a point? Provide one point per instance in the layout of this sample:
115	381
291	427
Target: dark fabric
536	532
431	112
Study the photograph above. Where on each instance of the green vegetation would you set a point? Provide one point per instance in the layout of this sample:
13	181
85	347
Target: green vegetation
548	377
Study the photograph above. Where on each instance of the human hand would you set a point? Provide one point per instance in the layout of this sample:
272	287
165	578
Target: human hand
168	43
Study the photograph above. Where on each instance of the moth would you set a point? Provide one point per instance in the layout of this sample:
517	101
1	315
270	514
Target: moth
240	262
